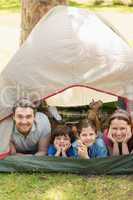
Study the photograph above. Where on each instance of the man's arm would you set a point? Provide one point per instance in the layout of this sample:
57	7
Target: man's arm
43	146
45	127
14	152
12	148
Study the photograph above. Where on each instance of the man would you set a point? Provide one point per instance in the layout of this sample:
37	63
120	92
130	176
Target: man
31	130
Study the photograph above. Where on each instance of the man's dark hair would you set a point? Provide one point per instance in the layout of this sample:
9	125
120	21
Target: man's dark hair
24	103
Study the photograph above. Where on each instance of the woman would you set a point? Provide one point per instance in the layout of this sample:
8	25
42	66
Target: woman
118	137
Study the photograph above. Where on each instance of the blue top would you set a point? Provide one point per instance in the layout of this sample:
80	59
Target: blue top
96	150
52	151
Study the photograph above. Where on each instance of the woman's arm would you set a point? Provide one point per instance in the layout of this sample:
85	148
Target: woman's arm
115	149
125	150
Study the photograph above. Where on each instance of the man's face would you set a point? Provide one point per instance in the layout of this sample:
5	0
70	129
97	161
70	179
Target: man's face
24	118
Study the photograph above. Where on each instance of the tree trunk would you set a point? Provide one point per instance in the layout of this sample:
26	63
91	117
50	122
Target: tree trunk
32	11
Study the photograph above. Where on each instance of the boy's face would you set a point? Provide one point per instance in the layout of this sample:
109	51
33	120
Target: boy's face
87	136
62	141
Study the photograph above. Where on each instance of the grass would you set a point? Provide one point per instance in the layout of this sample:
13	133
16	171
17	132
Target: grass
64	187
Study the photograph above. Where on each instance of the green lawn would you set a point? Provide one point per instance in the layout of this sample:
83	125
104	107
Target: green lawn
64	187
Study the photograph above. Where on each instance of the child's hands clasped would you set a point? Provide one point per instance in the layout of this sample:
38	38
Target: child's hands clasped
58	148
62	149
82	150
65	148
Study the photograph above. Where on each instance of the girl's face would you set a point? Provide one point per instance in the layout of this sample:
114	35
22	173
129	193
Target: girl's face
62	140
88	136
119	129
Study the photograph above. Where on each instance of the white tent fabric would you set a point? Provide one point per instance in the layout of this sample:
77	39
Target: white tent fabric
68	47
76	96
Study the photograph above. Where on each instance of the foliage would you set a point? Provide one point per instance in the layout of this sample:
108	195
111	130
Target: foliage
101	7
10	5
14	5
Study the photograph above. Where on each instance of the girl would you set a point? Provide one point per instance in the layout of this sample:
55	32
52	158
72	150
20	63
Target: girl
118	137
89	145
61	142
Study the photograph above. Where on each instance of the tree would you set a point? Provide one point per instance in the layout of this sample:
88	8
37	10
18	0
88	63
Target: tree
32	12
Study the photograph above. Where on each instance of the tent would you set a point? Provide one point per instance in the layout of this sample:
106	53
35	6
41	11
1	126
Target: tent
69	48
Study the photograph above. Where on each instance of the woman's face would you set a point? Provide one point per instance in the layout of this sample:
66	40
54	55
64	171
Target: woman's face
87	136
119	129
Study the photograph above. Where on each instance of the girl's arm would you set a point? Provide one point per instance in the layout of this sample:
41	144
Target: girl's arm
125	150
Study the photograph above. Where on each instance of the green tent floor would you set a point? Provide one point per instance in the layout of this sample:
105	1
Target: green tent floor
99	166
